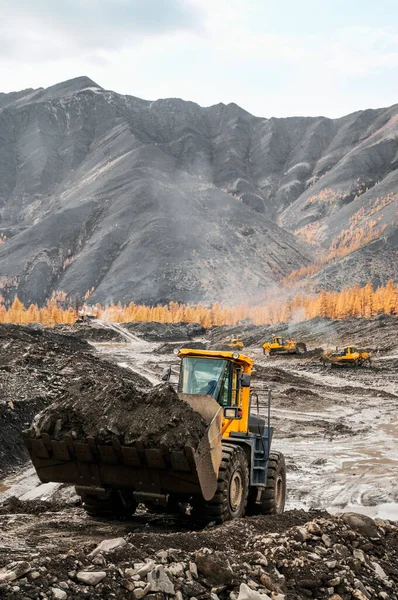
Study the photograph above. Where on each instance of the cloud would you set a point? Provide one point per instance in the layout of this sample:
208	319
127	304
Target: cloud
274	60
44	28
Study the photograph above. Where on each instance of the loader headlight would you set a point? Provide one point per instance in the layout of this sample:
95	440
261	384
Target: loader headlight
235	355
232	412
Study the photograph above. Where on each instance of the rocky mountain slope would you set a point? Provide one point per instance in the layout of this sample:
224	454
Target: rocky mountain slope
158	201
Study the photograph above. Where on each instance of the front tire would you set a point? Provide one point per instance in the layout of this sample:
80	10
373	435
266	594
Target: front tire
111	504
274	495
230	500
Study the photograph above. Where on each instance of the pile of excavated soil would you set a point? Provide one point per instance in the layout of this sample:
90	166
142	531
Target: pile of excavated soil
293	556
14	418
170	347
118	408
91	332
38	367
165	332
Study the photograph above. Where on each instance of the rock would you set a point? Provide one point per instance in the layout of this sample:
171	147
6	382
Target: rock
313	556
59	594
193	569
378	570
341	551
359	595
141	592
128	584
175	569
361	523
159	581
301	534
163	556
63	585
246	593
331	564
335	597
108	546
313	528
268	583
384	595
214	568
359	554
14	570
193	589
326	540
91	577
142	569
359	585
34	575
275	596
335	581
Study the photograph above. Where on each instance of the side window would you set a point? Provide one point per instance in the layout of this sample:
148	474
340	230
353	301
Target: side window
224	391
235	386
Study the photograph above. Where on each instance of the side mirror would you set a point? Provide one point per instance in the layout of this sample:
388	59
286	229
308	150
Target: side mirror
245	380
232	412
166	373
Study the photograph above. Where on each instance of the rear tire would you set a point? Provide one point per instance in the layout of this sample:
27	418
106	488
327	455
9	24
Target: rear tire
274	495
230	500
111	504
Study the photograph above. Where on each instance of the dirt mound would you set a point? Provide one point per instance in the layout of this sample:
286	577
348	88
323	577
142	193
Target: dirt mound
170	347
165	332
87	331
38	367
121	409
14	417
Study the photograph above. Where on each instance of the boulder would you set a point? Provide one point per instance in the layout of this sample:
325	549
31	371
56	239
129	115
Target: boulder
90	577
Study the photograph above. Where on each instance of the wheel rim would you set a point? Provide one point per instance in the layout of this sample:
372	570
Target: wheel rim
235	491
279	494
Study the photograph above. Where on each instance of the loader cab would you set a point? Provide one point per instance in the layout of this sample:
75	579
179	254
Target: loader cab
210	377
225	376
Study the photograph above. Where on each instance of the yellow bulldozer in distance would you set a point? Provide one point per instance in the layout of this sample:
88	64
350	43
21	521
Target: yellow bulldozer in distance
236	343
348	357
230	473
279	345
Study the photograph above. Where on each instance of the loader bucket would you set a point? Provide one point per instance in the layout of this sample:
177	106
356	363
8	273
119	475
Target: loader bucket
145	470
208	454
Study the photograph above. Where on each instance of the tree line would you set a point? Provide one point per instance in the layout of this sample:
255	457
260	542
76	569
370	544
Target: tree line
350	302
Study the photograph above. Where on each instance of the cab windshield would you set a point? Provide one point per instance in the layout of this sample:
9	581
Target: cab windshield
203	376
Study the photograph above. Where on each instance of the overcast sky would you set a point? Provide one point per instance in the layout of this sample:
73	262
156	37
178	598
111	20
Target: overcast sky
273	58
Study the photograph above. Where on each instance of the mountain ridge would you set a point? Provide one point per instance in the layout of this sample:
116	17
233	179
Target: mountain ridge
165	200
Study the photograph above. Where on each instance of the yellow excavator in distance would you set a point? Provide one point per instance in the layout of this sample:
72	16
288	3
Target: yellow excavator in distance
279	345
348	357
232	472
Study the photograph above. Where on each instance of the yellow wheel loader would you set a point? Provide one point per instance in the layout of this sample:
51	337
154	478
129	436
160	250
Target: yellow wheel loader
232	471
279	345
348	357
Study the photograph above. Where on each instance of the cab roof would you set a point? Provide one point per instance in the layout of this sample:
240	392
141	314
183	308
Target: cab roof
220	354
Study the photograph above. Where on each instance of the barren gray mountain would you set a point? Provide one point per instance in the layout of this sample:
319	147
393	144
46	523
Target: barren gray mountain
166	200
